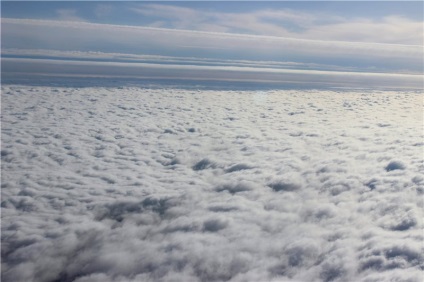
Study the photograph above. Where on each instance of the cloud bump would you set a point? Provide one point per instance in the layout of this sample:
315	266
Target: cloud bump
139	184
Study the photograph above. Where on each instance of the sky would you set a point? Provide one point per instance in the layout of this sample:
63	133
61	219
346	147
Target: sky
340	37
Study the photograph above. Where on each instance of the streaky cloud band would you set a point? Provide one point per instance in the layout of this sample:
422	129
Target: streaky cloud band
52	33
313	78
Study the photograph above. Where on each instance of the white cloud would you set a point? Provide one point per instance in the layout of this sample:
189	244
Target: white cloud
291	23
213	35
392	29
105	184
63	35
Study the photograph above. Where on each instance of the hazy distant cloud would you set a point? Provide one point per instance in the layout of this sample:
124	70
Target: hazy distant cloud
65	35
299	18
103	10
250	23
179	15
68	15
122	57
391	29
293	77
289	23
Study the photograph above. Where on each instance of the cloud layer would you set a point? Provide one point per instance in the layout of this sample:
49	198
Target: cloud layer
83	36
129	184
13	68
288	23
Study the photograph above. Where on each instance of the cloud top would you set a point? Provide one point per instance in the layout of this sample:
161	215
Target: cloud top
141	184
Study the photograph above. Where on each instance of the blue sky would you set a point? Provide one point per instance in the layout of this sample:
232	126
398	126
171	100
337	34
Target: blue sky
120	11
331	36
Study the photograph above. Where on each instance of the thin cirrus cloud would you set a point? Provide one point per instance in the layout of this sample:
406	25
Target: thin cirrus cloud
106	37
68	15
289	23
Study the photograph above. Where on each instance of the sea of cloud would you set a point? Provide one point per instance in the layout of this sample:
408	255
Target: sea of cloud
133	184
